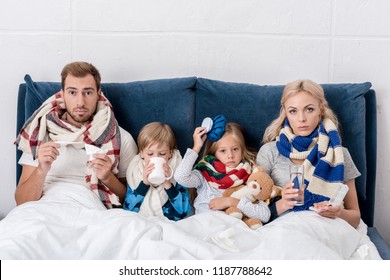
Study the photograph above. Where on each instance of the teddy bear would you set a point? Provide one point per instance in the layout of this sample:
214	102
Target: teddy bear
259	186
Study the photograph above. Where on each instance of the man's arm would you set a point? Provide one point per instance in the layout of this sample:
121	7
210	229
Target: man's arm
30	186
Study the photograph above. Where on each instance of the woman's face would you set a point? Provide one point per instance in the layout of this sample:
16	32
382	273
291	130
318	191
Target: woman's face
229	151
303	112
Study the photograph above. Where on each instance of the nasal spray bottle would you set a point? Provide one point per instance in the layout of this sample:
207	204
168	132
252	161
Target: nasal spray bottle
336	200
339	195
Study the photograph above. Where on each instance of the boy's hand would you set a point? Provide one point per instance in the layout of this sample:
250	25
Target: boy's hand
148	168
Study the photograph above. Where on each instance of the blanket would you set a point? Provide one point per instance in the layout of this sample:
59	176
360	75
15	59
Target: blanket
70	222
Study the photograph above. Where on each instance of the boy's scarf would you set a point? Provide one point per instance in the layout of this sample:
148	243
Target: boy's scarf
47	123
155	197
323	154
221	177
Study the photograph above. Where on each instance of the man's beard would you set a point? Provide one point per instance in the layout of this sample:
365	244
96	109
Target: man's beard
80	120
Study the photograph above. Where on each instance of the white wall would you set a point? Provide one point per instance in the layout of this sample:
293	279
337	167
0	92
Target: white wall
255	41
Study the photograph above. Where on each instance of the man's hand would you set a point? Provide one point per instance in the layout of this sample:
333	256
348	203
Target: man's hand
47	154
101	165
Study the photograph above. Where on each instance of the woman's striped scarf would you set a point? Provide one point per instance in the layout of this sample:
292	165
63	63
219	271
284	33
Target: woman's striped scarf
323	158
47	123
221	177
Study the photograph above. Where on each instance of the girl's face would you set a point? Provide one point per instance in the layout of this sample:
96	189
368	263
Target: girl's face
156	150
229	151
303	112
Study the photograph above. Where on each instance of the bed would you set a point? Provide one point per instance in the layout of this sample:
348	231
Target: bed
69	222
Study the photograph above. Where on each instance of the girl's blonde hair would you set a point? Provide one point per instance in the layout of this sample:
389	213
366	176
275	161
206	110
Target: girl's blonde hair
156	133
291	89
236	130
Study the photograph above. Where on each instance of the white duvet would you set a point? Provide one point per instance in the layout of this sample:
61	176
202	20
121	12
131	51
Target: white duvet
69	222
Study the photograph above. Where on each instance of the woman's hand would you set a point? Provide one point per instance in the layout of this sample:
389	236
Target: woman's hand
326	210
221	203
199	137
287	202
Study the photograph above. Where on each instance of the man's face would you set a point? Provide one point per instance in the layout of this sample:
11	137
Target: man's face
80	96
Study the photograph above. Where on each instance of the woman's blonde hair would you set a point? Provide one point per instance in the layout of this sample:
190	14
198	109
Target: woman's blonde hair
156	133
236	130
291	89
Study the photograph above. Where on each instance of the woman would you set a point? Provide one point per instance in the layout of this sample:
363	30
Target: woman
306	132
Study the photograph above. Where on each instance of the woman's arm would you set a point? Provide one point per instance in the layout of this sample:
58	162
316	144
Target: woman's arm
350	212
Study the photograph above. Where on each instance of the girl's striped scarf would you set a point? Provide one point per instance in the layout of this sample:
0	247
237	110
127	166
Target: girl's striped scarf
221	177
324	158
47	123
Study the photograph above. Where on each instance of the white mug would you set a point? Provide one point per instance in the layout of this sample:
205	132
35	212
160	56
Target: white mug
157	176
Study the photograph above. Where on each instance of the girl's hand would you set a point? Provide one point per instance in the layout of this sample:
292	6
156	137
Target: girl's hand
221	203
199	137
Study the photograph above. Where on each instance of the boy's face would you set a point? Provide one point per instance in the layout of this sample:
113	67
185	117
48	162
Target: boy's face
80	96
156	150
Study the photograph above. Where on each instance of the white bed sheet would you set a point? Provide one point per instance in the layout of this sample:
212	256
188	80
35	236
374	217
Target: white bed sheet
69	222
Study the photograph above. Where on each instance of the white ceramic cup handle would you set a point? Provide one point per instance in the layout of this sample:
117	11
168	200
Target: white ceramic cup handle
170	176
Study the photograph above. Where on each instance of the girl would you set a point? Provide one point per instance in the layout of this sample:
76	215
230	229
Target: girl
169	200
306	132
225	163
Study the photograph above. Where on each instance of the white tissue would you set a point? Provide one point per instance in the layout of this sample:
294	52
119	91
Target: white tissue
91	150
224	239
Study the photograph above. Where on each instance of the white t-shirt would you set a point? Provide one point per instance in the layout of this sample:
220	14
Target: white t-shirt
70	166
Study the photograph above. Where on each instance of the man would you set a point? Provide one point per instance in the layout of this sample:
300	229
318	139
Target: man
54	138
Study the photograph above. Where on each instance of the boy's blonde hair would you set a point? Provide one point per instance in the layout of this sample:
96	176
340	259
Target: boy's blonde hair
156	133
293	88
235	130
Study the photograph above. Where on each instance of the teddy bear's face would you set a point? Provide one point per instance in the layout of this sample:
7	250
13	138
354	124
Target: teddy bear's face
262	182
254	187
